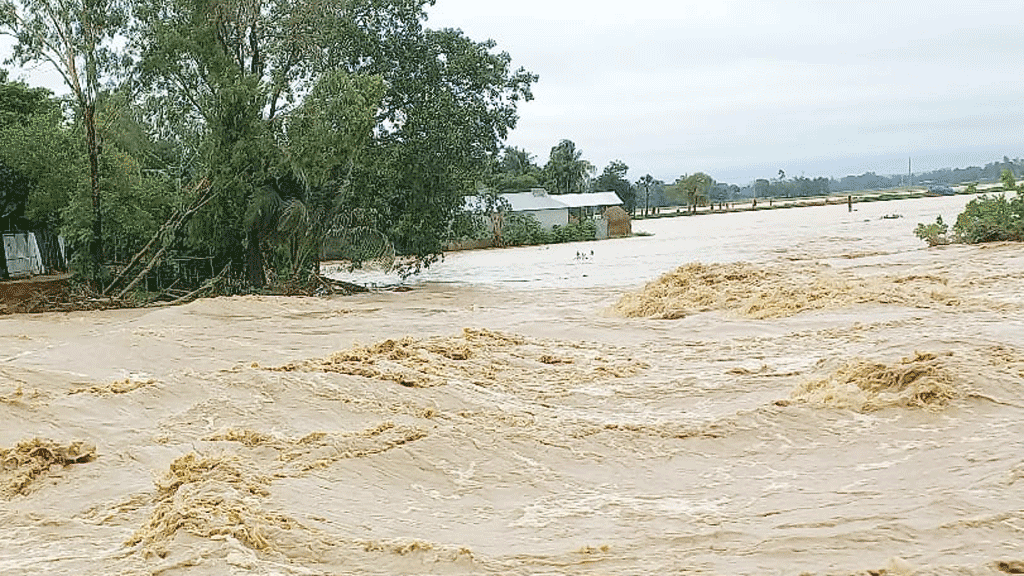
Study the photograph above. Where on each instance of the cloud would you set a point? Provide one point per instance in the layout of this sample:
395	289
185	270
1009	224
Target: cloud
677	87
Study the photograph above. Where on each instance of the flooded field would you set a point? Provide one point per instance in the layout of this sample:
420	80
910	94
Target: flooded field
802	391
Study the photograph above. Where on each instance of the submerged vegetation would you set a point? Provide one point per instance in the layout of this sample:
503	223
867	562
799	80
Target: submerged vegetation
987	218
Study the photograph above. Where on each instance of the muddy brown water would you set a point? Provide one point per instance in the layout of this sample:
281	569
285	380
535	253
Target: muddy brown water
829	397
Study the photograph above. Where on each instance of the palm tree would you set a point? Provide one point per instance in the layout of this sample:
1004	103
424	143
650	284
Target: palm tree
646	182
566	169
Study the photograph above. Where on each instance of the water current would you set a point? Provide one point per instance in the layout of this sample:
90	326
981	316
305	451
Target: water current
798	391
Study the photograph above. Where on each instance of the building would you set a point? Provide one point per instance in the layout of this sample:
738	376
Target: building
553	209
547	209
588	205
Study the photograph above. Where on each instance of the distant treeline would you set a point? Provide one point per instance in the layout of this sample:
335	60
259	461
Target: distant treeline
515	170
949	176
783	187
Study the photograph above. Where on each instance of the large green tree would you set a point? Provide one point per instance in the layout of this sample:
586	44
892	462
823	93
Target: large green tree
691	189
79	39
44	163
20	106
233	75
20	102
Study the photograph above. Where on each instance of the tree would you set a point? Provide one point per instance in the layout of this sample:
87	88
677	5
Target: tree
20	102
566	171
47	153
77	38
20	105
515	170
1009	182
646	184
236	72
613	179
695	188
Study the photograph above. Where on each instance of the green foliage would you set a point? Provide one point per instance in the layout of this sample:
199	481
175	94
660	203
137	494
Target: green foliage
579	231
566	171
49	155
327	132
514	170
470	226
521	229
934	234
81	40
613	179
691	190
991	219
19	102
1008	180
353	108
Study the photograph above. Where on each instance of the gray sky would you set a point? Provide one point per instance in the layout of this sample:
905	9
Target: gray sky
740	89
743	88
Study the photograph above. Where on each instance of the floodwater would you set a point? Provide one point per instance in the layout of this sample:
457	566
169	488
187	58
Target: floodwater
804	391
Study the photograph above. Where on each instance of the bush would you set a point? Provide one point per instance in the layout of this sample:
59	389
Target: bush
579	231
523	229
991	219
934	234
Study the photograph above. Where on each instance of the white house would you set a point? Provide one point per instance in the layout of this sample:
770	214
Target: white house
554	210
588	205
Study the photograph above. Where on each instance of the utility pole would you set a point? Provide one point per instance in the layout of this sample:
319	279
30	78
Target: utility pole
910	174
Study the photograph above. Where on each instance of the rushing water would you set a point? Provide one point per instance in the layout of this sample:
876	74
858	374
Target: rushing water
767	235
844	400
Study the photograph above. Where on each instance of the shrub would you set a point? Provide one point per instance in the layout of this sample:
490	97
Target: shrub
934	234
579	231
522	229
991	219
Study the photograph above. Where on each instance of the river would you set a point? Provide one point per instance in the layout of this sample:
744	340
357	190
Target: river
810	391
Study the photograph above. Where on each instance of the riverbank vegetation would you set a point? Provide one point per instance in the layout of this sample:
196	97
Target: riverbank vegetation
241	139
987	218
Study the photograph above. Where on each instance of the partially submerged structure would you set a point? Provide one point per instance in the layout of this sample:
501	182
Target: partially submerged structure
551	210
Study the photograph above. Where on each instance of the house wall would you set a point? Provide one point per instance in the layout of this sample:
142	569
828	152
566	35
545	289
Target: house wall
550	218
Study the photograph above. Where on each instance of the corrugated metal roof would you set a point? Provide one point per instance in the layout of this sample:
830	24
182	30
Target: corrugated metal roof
530	201
540	200
591	199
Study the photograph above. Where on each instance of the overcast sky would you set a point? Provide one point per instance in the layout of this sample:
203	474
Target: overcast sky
743	88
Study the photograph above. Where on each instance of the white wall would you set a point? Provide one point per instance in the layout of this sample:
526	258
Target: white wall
550	218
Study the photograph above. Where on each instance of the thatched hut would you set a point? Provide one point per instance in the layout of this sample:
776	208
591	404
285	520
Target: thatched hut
619	222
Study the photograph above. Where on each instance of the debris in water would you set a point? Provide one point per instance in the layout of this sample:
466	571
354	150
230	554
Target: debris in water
922	381
31	459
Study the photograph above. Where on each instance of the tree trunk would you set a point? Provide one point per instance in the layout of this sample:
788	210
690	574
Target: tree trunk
96	244
254	263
